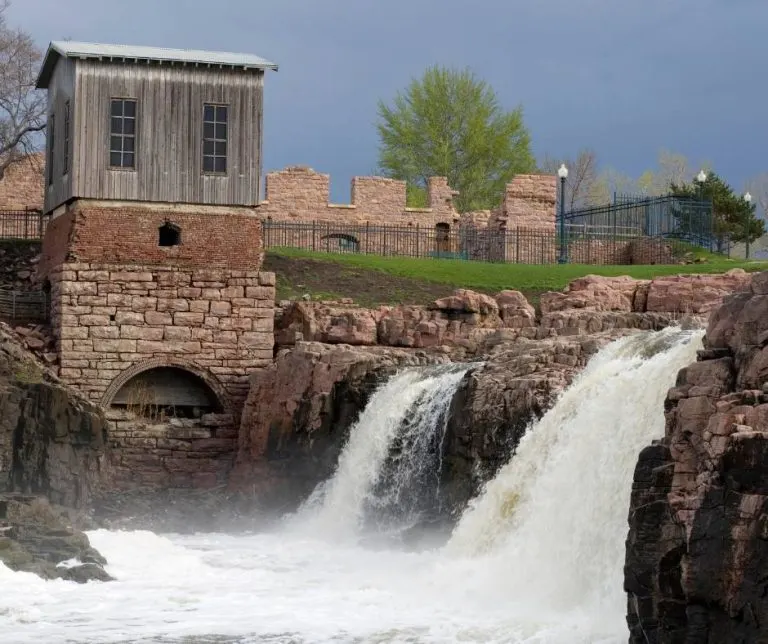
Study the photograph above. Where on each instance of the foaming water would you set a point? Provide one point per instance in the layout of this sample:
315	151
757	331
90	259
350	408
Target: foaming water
373	482
537	559
554	519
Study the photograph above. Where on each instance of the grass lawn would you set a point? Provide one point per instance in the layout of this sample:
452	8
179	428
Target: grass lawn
445	275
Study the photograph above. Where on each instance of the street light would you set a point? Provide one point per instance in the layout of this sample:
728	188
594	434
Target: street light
562	172
747	213
701	177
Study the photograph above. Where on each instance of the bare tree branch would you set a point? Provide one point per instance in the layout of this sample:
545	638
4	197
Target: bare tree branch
582	177
22	107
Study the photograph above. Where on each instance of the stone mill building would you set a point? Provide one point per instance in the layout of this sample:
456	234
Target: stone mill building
153	251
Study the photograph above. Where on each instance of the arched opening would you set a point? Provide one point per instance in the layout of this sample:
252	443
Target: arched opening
341	243
442	237
169	235
167	392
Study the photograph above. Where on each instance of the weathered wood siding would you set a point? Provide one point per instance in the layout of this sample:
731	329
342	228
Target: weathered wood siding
169	133
61	90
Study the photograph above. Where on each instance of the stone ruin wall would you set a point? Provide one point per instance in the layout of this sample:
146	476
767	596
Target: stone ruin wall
23	185
301	195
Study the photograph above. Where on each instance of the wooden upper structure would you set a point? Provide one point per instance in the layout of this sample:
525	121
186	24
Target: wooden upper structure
151	124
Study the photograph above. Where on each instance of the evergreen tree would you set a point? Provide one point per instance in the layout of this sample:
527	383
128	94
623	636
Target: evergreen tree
734	218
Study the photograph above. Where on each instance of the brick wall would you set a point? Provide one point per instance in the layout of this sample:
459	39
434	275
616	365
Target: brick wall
529	202
23	184
127	233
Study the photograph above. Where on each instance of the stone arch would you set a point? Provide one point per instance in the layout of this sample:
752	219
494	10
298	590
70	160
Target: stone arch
156	363
342	242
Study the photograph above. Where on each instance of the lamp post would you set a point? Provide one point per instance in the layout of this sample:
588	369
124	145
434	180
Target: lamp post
701	178
562	172
747	213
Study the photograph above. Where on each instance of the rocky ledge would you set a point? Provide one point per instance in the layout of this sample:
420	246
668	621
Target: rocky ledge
467	320
697	551
36	537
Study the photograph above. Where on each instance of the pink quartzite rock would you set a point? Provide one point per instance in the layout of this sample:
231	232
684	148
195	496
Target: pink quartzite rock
694	293
594	293
515	310
697	549
466	301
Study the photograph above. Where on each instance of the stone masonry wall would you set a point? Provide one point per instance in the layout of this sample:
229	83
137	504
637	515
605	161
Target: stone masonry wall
22	186
301	194
107	318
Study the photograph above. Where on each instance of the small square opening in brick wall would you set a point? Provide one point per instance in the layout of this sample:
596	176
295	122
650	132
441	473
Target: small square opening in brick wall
169	235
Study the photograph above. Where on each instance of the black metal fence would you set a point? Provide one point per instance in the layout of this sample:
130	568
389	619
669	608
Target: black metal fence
22	224
24	306
680	219
594	245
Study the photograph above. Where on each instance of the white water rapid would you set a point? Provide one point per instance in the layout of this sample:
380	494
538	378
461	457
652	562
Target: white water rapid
371	482
537	559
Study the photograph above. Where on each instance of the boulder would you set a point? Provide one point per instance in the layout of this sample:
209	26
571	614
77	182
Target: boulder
515	311
594	293
36	538
694	293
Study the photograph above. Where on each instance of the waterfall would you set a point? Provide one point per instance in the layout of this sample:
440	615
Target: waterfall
553	522
392	458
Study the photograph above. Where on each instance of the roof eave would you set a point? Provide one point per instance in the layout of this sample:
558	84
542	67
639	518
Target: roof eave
50	59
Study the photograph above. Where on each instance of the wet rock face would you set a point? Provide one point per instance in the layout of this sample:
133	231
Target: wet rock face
697	550
51	441
36	538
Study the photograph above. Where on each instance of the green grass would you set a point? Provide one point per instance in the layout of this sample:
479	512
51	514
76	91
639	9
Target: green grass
490	278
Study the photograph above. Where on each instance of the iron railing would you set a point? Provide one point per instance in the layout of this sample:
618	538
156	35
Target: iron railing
24	306
586	244
669	217
23	224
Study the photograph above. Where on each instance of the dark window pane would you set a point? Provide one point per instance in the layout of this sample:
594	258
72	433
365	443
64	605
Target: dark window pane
117	108
116	143
221	131
130	108
220	164
114	159
208	130
208	164
221	114
128	160
208	113
221	149
128	144
129	126
117	125
208	148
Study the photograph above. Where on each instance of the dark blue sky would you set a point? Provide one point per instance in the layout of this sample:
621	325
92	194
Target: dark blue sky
625	77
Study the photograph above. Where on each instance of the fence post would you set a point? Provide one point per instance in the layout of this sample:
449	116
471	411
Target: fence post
314	235
40	225
327	237
418	254
367	233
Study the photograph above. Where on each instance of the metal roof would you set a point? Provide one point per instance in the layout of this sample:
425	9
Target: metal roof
68	49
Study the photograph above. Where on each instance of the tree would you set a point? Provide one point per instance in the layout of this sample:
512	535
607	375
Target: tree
449	123
733	217
22	108
581	186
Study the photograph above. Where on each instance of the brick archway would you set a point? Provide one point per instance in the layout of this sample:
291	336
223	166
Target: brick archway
154	363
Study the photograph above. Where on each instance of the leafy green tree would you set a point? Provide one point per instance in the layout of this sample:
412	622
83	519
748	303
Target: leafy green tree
733	217
450	123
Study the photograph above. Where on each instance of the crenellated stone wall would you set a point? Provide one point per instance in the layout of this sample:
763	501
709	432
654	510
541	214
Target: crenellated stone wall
301	194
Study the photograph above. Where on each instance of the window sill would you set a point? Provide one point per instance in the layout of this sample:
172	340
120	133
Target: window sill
114	168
